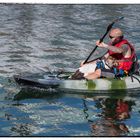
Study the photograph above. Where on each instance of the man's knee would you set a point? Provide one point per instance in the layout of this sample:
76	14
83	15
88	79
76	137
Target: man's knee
98	72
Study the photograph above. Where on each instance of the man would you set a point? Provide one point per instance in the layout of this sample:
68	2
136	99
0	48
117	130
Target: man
118	48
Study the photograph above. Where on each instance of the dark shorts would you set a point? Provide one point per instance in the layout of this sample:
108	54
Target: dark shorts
107	73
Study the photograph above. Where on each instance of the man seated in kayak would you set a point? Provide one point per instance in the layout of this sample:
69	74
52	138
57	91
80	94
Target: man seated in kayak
118	48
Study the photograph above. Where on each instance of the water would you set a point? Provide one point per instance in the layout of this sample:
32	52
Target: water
36	37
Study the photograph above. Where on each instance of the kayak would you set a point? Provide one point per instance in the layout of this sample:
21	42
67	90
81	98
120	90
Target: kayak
62	82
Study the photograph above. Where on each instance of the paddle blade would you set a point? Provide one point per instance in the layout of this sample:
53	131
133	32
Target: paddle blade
120	18
110	25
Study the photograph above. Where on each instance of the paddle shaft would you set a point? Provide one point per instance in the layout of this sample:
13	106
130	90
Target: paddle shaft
101	40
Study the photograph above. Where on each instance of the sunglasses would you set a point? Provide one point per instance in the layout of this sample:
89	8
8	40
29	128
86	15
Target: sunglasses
111	37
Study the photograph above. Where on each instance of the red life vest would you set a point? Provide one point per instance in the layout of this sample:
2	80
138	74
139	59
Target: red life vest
125	63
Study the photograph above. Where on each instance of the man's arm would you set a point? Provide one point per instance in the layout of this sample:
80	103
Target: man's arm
109	47
114	49
105	56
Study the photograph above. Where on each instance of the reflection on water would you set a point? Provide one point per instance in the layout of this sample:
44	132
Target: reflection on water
111	120
74	115
35	38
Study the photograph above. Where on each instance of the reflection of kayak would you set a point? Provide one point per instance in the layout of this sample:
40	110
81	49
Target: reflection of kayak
62	83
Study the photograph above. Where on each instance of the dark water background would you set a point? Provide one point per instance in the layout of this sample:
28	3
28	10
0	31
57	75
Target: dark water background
33	37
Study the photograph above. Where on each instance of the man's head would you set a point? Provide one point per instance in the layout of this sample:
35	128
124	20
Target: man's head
116	32
116	35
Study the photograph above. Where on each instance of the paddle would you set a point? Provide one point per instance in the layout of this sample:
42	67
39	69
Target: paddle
101	39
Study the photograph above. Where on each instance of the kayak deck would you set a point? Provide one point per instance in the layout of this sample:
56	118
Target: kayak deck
63	83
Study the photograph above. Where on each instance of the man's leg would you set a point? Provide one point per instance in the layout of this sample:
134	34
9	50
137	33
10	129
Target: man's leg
94	75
